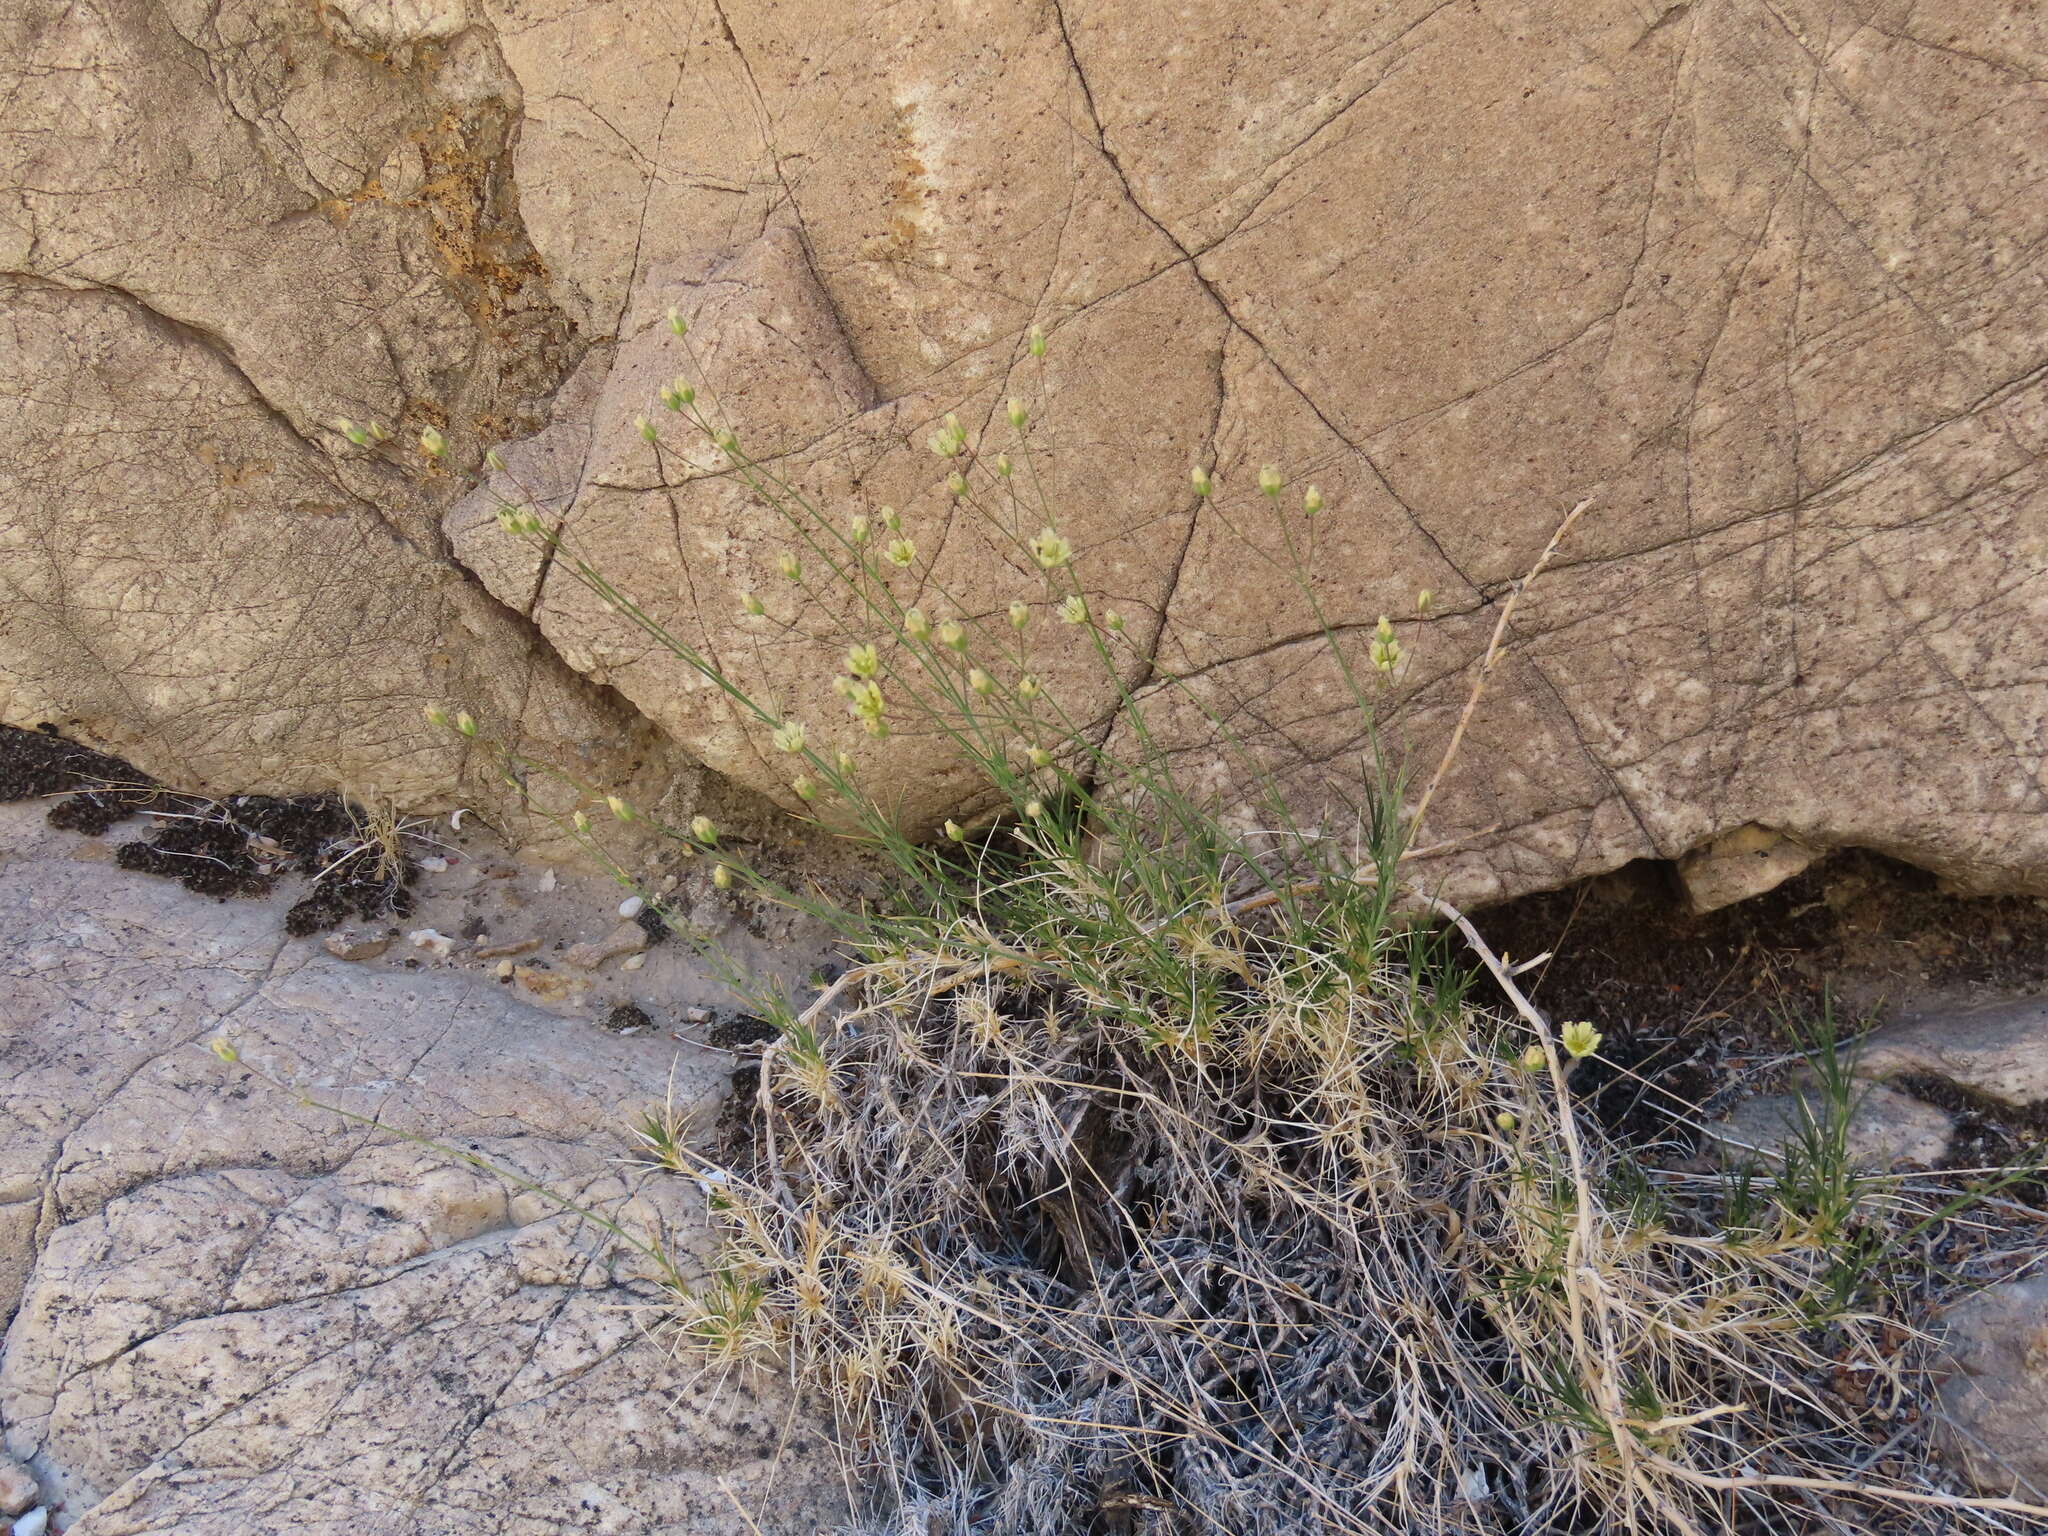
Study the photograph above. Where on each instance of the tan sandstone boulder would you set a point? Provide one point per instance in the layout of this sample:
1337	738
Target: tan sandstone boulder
1765	285
308	1324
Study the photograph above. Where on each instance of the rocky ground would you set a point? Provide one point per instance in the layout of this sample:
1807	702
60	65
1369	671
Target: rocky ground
232	1311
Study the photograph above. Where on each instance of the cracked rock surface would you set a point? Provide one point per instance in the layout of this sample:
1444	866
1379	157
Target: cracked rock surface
231	1311
1765	282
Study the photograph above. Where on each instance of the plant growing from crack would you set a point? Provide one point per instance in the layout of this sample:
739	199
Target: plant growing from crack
1151	1162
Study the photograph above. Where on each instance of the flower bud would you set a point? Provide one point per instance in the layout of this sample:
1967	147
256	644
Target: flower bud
1312	500
676	322
1270	481
1202	483
1507	1120
751	605
1020	614
1040	758
352	432
955	831
435	714
226	1052
1004	467
721	876
957	483
1028	687
1017	414
806	787
790	566
1424	600
892	519
704	829
858	528
1034	341
619	809
465	723
685	391
646	429
916	625
1035	809
1113	621
845	762
580	821
863	660
432	443
1385	649
952	636
980	681
1533	1059
494	460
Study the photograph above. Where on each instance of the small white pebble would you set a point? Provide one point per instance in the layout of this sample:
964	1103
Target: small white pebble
434	864
428	939
668	883
633	1030
632	906
547	881
632	962
697	1015
503	969
34	1523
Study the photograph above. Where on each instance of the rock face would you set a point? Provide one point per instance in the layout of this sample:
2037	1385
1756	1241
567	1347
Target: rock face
1998	1052
308	1325
1884	1128
1996	1399
1766	283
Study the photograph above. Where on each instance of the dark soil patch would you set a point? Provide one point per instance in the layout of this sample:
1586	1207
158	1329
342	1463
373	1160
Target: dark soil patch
1693	1005
625	1016
240	846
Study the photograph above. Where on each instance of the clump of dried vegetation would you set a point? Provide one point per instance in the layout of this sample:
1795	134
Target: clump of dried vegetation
1146	1173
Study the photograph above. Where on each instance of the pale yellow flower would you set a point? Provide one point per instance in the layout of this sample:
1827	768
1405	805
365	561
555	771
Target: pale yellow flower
1581	1039
1051	549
